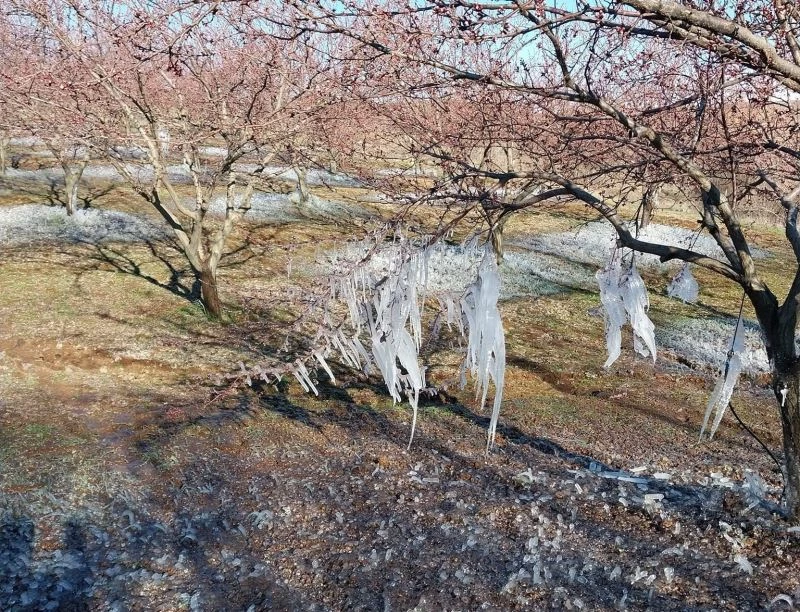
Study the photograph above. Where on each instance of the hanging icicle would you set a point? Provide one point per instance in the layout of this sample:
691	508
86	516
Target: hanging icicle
721	396
684	286
624	298
486	349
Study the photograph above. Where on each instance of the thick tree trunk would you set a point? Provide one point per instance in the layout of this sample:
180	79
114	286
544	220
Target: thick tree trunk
71	181
209	294
3	155
787	391
649	204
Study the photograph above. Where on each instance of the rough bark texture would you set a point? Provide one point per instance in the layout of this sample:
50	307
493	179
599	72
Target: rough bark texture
649	203
787	392
3	156
209	294
496	239
71	180
302	185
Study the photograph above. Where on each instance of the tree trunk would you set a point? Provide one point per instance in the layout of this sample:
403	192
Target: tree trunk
649	204
209	295
496	239
302	185
3	155
71	181
786	386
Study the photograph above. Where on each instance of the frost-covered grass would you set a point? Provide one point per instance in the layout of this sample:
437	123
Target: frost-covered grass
560	266
106	172
451	268
315	178
31	223
592	243
284	208
179	173
708	340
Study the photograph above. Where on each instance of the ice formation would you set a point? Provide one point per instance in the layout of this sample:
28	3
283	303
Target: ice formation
721	397
684	286
486	349
385	301
624	297
395	310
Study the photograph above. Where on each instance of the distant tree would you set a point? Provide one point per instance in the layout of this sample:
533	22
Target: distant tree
603	101
156	83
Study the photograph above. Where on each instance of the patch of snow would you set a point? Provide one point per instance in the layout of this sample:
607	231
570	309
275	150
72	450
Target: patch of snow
39	223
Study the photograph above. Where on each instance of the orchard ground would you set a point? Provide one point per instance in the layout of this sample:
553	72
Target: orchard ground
132	476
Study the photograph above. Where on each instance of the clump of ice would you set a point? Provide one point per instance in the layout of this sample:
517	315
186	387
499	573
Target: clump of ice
624	297
384	287
729	376
684	286
30	223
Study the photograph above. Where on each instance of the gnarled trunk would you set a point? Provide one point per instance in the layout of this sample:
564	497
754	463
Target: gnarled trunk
302	185
71	181
649	204
786	385
496	239
209	294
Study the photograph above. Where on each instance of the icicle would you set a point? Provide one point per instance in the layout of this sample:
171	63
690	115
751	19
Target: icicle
485	336
613	308
325	366
305	380
637	303
684	286
721	396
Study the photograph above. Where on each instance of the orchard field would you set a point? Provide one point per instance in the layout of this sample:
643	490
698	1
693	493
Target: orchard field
370	305
136	474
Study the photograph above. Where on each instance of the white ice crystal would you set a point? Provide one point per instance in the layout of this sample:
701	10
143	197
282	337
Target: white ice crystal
684	286
624	297
721	397
486	349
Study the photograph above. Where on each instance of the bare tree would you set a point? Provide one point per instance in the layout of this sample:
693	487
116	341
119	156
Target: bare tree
605	100
161	81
